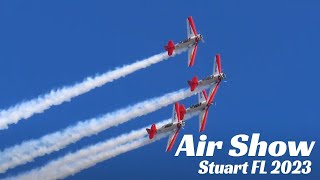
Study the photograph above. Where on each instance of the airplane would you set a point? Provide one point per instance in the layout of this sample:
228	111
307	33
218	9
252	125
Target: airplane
191	42
216	77
174	127
179	112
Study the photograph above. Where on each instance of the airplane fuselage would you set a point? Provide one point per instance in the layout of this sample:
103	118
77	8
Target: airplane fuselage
197	107
170	127
211	79
188	42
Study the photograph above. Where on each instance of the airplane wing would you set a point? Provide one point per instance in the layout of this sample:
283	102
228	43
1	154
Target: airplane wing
203	119
192	51
172	139
175	114
213	92
204	114
217	65
191	27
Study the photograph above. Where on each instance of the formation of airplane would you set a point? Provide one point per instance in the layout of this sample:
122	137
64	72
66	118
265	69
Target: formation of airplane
191	42
203	105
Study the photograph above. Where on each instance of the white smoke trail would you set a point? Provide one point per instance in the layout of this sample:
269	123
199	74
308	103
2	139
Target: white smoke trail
73	163
26	109
94	154
28	150
58	170
83	159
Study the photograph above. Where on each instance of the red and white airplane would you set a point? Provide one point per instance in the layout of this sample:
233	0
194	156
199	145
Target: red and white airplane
216	77
174	127
191	42
179	112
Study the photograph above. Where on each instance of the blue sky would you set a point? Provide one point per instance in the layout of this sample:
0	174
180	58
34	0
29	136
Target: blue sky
269	50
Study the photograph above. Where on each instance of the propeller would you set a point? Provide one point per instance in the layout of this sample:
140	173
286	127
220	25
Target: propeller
202	40
224	75
183	124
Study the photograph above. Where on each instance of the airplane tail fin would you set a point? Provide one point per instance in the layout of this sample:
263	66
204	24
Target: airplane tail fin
152	131
193	83
170	47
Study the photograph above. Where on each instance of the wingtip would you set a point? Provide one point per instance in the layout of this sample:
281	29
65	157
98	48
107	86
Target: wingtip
190	64
168	149
218	57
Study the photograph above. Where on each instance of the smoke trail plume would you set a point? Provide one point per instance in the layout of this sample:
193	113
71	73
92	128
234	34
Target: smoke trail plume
89	156
28	150
49	172
28	108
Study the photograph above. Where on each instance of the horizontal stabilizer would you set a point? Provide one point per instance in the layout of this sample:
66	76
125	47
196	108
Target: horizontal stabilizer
170	47
193	83
152	131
